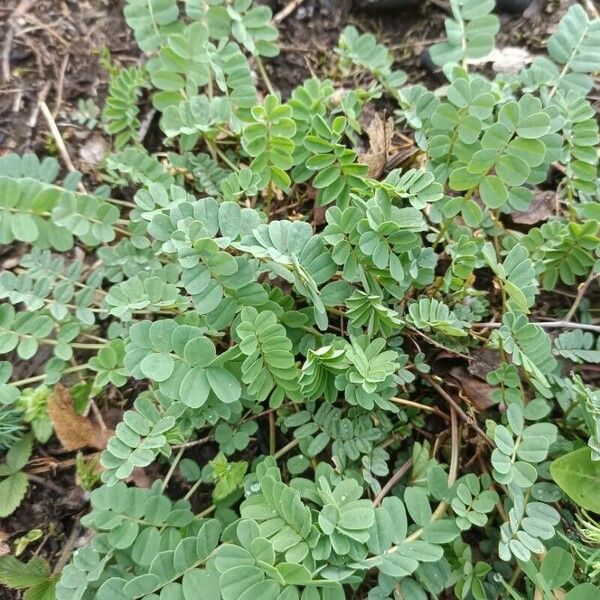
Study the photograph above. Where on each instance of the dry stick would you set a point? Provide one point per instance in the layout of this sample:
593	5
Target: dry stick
198	442
272	433
263	73
433	409
60	144
67	550
287	10
60	86
97	414
33	118
440	511
550	325
438	345
461	413
392	481
580	294
11	26
289	446
589	5
171	470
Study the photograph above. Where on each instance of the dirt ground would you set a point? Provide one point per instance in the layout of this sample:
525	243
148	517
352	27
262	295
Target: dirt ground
56	51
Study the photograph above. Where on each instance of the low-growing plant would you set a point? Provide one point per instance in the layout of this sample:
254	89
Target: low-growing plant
303	353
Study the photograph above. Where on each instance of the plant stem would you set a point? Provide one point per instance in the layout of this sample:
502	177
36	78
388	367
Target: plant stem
392	481
580	294
272	434
440	511
193	489
548	325
442	233
225	159
461	413
268	200
79	345
172	469
263	73
286	448
425	407
36	378
197	442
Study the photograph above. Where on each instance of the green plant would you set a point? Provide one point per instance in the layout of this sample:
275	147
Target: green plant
34	577
14	482
120	114
86	114
313	357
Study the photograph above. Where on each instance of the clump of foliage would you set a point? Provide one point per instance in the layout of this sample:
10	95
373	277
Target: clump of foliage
306	354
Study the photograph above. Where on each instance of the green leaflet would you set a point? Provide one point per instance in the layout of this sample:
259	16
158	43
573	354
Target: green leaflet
270	362
181	360
470	32
578	475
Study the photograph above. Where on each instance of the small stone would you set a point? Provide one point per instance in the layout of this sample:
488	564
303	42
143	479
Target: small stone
93	150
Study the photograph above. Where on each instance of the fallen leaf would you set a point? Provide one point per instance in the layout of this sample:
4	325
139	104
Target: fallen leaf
483	361
4	547
540	209
380	135
476	391
74	430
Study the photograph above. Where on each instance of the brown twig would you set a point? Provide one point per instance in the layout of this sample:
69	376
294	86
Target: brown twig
272	434
43	93
67	550
425	407
392	481
287	10
580	294
60	86
440	510
198	442
60	144
97	414
438	345
459	411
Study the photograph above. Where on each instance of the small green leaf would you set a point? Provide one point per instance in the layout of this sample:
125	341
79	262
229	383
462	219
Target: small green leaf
579	477
493	192
12	491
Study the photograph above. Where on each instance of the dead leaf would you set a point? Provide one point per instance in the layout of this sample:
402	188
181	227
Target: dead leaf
380	135
540	209
483	361
476	391
74	430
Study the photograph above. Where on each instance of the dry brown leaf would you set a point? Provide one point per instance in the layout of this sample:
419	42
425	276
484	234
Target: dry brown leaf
380	135
483	361
73	430
540	209
476	391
